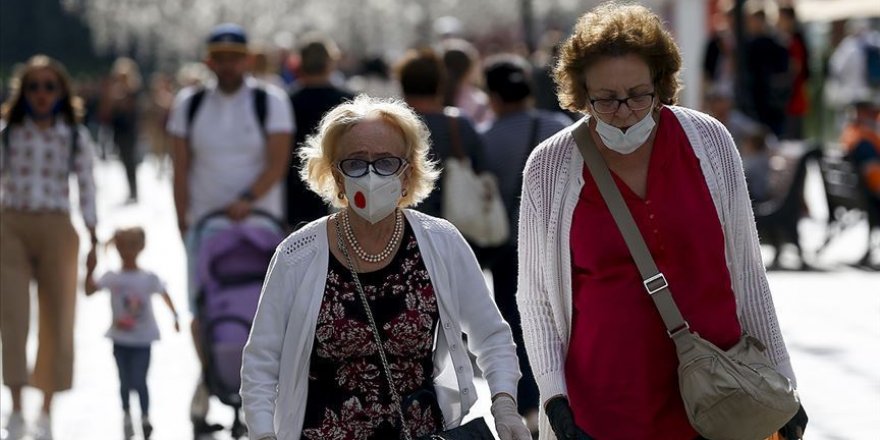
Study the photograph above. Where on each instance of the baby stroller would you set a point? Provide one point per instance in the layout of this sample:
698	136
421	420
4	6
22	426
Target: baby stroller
232	263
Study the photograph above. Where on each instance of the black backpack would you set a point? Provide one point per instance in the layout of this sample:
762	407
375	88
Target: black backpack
260	97
74	144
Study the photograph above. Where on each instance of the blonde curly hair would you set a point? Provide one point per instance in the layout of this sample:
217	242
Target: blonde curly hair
321	150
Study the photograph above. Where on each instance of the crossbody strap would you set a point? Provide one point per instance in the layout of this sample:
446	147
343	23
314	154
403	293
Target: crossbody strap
653	280
455	143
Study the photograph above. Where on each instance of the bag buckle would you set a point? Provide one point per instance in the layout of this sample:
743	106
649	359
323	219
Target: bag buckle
676	331
655	284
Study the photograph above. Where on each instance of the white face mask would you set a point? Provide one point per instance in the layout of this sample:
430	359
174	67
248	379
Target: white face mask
373	197
629	141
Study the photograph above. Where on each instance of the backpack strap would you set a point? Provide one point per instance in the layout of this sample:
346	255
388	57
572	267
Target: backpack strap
194	103
261	99
261	107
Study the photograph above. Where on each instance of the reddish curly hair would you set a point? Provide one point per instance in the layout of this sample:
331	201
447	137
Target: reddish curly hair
612	30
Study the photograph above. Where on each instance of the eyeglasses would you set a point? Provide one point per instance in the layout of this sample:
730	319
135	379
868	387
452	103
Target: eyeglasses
385	166
635	103
48	86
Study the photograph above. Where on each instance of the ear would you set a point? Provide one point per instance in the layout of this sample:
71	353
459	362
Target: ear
405	179
338	179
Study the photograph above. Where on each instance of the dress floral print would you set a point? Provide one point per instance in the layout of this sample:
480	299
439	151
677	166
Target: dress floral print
348	397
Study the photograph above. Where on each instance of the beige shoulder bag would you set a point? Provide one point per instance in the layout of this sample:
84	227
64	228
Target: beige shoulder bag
728	395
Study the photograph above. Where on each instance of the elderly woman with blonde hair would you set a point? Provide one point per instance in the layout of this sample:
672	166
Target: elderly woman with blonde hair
362	313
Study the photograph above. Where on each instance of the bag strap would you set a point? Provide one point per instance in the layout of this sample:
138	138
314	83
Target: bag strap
653	280
455	138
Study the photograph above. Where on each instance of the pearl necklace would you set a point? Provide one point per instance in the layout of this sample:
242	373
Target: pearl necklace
360	252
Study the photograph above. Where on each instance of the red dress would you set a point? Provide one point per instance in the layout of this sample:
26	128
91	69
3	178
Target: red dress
621	365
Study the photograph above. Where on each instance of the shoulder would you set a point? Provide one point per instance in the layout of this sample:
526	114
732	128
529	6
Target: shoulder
185	95
554	119
699	126
302	244
433	227
553	153
273	92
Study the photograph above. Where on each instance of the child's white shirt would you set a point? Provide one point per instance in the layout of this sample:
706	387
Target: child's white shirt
131	301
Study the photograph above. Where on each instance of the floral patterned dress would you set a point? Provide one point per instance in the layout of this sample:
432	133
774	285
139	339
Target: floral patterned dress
348	395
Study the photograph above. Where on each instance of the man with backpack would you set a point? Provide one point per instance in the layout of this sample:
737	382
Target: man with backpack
230	146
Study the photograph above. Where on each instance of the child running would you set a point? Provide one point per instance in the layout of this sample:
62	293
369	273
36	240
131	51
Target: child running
134	327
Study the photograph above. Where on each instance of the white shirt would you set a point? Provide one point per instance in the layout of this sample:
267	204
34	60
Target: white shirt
847	80
275	365
35	169
552	184
131	295
228	145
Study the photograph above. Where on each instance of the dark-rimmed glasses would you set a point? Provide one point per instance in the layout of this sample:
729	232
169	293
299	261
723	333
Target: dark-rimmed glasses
635	103
384	166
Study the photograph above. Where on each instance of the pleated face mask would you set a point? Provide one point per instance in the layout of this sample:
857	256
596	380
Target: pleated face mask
628	141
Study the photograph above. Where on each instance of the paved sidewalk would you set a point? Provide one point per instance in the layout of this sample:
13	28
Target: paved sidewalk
831	322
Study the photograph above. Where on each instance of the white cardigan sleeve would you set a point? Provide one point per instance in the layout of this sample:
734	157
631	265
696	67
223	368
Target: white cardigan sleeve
262	355
755	303
489	336
543	342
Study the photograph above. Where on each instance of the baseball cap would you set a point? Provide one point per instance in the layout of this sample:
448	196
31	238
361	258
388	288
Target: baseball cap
227	37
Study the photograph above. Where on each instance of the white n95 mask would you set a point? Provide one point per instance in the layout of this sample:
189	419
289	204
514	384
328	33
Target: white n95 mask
373	197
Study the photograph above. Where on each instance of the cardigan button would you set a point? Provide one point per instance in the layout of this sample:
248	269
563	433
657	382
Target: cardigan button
452	348
464	391
447	325
460	368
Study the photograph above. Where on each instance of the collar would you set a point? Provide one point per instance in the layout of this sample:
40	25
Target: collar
249	83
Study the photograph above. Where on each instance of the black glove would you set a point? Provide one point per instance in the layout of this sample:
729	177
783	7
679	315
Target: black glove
794	429
562	420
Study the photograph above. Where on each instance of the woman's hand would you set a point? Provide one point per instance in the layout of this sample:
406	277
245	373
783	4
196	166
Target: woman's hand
562	420
508	422
794	429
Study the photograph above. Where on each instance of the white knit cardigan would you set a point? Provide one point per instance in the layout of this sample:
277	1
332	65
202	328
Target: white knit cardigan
552	183
275	364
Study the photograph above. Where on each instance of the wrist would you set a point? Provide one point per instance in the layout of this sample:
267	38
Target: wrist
248	196
503	395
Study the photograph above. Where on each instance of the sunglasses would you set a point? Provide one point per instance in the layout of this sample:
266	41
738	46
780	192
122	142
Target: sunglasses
48	86
385	166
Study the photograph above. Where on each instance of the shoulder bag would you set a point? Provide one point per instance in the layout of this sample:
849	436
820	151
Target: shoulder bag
471	201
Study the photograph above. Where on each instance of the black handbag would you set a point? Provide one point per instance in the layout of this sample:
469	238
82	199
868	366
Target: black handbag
476	429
